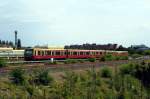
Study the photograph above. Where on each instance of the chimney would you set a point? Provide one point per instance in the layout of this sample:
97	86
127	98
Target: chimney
16	39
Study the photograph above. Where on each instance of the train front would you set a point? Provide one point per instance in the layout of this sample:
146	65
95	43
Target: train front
28	54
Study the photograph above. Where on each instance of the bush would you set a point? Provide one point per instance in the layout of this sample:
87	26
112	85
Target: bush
102	59
2	63
147	52
43	78
135	55
81	61
69	61
18	76
109	57
127	69
91	59
106	72
124	58
52	63
117	58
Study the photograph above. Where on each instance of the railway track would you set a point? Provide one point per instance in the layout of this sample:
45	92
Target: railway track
30	67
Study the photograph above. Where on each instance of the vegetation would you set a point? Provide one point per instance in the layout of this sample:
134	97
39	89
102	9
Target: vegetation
69	61
2	63
106	72
91	59
110	57
17	76
4	43
130	81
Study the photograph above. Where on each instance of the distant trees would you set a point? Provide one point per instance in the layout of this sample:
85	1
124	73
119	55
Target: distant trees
93	46
4	43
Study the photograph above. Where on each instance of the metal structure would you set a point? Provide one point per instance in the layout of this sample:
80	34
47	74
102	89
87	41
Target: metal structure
16	39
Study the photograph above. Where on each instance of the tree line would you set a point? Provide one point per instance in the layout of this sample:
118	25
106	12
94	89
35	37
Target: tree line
6	43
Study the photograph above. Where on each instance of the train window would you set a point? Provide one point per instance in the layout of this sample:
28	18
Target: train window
87	53
65	53
81	53
57	53
48	52
35	53
68	53
42	53
52	53
74	53
100	52
39	53
62	53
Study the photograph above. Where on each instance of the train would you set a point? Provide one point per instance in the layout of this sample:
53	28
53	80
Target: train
46	54
10	53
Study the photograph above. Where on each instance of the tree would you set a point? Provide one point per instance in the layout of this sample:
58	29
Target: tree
19	44
3	43
43	78
7	43
11	44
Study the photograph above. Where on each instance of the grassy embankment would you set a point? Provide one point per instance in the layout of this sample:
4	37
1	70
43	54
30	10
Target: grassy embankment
129	81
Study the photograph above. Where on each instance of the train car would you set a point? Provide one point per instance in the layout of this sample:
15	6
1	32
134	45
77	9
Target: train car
9	53
117	53
44	54
4	52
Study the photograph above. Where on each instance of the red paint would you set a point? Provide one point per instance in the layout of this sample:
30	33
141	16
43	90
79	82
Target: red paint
47	57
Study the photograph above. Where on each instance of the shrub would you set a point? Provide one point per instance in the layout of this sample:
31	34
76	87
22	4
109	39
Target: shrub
2	63
102	59
147	52
69	61
18	76
127	69
81	61
106	72
52	63
92	59
135	55
124	58
109	57
43	78
117	58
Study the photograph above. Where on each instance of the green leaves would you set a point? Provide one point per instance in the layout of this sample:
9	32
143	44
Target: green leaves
18	76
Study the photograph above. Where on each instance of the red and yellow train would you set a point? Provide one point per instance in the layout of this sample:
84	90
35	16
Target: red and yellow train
45	54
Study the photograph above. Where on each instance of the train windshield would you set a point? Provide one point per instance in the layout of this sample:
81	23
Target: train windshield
29	52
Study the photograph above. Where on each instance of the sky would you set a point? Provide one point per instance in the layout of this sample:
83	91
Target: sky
65	22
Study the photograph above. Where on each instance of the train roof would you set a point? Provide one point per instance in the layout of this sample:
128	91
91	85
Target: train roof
76	50
5	48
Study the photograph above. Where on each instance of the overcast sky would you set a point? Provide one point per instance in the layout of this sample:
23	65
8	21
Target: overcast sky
60	22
